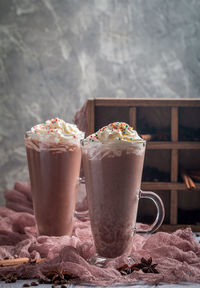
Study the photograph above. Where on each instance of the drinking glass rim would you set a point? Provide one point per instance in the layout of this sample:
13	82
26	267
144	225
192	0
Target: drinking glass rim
135	142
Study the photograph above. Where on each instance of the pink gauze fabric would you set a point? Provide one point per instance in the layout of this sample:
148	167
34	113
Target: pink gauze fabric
177	254
80	118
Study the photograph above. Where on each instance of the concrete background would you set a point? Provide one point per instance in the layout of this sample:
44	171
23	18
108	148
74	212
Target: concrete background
56	54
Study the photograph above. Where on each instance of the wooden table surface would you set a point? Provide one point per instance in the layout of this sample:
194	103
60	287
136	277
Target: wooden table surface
19	284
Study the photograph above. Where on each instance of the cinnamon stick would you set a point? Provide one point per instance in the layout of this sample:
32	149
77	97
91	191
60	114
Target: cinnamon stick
18	261
146	137
185	179
188	181
191	183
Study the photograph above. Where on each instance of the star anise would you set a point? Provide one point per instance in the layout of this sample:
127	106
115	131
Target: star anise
145	265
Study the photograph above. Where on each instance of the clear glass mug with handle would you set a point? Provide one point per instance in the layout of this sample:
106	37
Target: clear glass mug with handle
113	173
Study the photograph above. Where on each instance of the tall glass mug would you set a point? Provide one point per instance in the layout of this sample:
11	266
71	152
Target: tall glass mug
54	158
113	172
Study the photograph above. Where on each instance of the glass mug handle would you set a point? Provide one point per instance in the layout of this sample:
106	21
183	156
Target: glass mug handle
142	194
160	211
81	214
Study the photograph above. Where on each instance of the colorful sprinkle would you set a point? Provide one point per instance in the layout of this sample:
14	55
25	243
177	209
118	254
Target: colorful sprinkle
116	131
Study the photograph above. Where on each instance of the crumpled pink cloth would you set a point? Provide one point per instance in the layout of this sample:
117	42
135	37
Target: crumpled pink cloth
177	254
80	118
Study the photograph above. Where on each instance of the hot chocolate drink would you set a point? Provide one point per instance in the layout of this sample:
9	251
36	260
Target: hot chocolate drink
113	162
54	158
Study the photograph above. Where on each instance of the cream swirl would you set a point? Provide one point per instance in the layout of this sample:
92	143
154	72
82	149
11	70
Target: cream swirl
55	131
115	132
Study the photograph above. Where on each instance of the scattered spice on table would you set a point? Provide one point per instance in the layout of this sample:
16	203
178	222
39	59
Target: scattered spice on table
59	277
34	283
145	265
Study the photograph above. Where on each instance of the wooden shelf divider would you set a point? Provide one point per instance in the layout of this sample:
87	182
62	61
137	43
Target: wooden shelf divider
90	116
173	228
167	186
174	166
173	145
132	117
147	102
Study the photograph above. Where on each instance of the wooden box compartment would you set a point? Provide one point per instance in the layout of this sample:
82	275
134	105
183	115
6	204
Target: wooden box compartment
157	165
189	207
147	209
188	201
172	150
189	124
188	160
106	115
155	121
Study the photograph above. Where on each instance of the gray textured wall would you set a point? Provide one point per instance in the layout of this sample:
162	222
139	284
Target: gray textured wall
55	54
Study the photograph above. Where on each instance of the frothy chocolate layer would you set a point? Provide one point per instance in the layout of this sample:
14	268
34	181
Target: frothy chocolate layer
54	178
113	181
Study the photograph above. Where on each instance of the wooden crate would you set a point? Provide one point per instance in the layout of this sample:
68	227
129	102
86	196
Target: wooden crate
172	114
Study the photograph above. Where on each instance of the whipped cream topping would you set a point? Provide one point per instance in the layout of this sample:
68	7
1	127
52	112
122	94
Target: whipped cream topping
115	132
55	131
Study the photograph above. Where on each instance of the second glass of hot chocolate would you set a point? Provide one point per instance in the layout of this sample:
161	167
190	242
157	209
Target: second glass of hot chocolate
54	159
113	160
